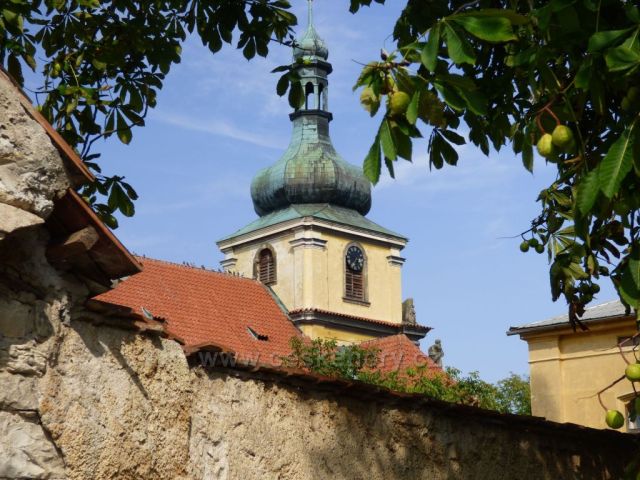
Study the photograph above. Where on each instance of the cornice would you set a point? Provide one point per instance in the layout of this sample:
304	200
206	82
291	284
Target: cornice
308	242
374	328
396	242
396	260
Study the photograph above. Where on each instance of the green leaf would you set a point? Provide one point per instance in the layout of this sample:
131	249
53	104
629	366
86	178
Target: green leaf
435	153
124	132
98	64
601	40
403	144
15	69
456	81
429	55
584	75
458	48
441	150
622	58
386	139
475	100
14	19
513	17
451	97
283	85
119	200
413	108
390	169
448	152
131	193
527	150
296	95
249	50
281	68
372	162
262	48
616	164
214	40
490	29
588	190
453	137
629	288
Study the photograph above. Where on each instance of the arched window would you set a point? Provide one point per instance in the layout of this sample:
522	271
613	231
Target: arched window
266	267
355	264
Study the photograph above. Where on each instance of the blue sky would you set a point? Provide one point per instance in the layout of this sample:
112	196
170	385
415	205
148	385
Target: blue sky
219	121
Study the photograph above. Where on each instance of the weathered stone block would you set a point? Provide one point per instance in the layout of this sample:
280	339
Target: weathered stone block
18	392
25	450
26	359
31	170
12	219
16	318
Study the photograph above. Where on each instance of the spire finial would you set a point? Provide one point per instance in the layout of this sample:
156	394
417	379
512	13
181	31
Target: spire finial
310	17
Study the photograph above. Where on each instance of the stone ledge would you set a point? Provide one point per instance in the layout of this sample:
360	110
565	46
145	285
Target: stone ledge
13	218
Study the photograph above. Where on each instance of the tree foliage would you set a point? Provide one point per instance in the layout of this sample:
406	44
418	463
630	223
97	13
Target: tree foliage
352	362
494	73
559	75
104	61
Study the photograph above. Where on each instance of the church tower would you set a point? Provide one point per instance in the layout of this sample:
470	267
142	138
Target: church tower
337	272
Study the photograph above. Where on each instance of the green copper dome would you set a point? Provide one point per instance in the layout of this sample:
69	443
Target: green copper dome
311	171
310	44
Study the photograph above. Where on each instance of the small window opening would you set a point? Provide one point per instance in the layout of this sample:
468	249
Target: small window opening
266	267
309	96
257	336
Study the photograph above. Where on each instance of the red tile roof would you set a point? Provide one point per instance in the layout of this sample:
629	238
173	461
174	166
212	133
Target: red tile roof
397	353
204	307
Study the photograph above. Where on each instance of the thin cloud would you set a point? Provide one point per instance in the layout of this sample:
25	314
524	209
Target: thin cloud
221	128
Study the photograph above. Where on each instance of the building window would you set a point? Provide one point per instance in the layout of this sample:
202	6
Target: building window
354	280
266	267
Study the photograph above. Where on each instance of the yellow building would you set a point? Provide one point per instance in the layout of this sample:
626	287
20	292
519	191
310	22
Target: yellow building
337	272
568	368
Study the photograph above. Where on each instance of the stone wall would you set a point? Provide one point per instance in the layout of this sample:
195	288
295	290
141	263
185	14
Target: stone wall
35	299
121	405
82	399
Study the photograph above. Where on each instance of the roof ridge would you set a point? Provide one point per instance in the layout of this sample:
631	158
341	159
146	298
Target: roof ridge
194	267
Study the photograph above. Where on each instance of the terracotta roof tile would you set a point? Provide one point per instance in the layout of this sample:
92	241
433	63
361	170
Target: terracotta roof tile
204	307
398	352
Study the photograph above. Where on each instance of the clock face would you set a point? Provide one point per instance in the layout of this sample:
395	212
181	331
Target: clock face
355	258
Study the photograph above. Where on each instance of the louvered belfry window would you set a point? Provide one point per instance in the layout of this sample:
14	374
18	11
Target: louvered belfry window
266	267
354	284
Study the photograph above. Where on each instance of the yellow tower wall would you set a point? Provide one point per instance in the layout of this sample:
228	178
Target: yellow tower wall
311	268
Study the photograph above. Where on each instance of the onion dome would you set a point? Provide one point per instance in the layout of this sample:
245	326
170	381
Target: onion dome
310	45
310	171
